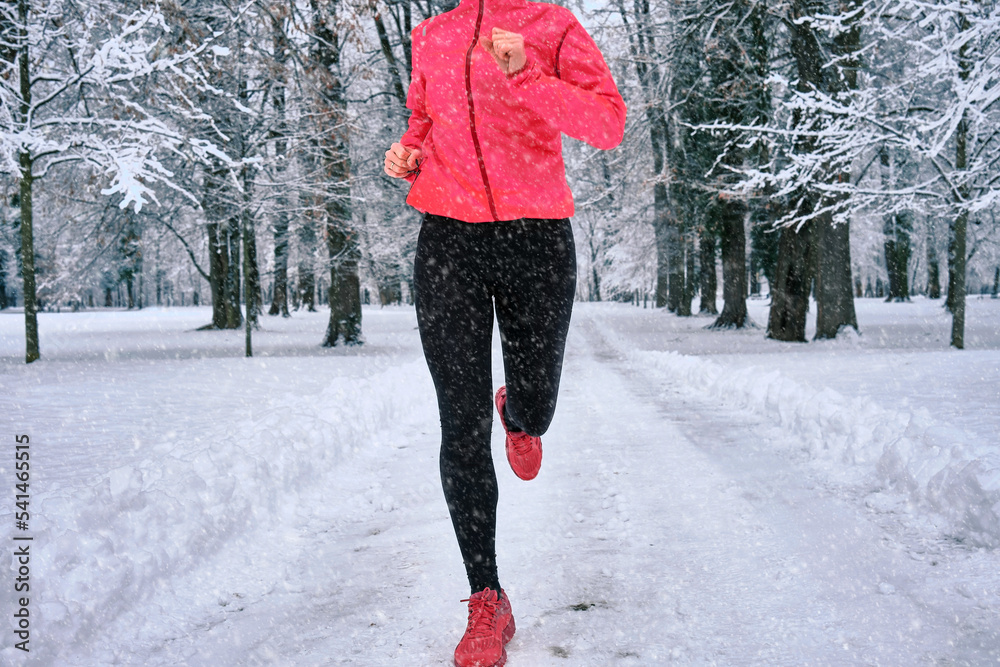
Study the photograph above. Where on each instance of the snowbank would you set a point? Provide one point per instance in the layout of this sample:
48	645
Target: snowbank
939	466
106	545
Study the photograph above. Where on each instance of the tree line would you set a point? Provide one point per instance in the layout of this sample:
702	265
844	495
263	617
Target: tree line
801	118
231	151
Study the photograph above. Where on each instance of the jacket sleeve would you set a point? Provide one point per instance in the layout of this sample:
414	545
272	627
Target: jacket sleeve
582	100
420	122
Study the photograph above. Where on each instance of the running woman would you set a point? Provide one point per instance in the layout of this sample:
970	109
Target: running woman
494	85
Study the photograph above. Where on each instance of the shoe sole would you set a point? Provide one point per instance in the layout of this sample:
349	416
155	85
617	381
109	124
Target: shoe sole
508	634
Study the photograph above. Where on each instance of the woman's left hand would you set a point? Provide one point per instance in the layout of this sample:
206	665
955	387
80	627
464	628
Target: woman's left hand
507	48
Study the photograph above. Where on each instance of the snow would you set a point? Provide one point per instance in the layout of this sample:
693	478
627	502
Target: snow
874	410
131	167
706	497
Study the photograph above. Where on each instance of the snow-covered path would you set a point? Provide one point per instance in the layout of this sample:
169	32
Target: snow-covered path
759	562
664	528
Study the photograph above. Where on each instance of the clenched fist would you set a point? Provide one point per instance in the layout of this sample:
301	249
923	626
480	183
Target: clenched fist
401	161
507	48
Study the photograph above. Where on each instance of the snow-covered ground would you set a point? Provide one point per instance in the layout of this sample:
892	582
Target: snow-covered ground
706	497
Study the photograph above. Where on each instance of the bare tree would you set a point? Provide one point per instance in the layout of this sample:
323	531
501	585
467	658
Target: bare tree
72	85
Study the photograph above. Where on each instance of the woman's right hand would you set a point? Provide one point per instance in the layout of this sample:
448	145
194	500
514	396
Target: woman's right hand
401	161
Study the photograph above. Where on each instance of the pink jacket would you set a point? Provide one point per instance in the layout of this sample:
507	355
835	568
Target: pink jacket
492	145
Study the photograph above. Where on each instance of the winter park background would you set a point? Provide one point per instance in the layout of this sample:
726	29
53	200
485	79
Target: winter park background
776	439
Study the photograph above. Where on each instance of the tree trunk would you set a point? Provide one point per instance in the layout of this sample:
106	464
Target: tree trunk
595	286
933	267
279	300
794	272
675	251
218	260
709	281
689	282
956	287
642	47
897	255
231	285
896	228
834	284
732	212
792	284
251	276
764	244
345	288
732	91
3	279
31	352
334	150
305	290
247	286
390	58
949	297
675	264
661	230
956	245
754	274
130	289
251	288
223	250
130	247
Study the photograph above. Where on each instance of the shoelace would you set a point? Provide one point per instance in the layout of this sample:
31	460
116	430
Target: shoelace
522	442
482	617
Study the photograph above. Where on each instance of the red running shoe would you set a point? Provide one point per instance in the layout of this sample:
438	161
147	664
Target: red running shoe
491	626
524	452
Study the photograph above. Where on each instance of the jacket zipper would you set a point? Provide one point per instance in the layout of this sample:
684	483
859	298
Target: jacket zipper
472	112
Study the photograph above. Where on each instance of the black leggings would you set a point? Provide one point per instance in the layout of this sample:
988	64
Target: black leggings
526	269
